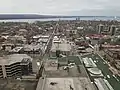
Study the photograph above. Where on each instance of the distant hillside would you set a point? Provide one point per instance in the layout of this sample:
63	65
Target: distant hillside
35	16
24	16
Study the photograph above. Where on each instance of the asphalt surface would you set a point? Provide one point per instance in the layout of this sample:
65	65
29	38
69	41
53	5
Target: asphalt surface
114	81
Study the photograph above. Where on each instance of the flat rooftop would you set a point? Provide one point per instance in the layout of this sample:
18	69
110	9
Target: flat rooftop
51	65
14	58
89	62
71	59
55	67
32	47
65	84
61	47
76	71
103	84
16	49
41	36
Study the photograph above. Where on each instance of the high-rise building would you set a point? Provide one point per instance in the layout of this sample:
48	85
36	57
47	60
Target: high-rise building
112	30
117	32
100	28
109	28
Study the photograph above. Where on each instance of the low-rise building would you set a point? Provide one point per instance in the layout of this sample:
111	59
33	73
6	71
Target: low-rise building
62	45
17	39
69	76
117	65
65	84
33	48
102	84
7	46
112	54
63	48
51	65
16	50
89	63
92	68
95	72
22	31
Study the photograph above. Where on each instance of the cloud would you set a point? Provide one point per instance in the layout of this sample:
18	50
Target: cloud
61	7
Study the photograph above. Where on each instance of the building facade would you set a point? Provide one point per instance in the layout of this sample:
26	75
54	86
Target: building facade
15	65
100	28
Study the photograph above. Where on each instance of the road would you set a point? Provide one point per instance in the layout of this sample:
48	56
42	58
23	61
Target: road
114	81
44	57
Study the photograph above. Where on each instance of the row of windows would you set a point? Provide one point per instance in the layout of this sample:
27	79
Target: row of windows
109	57
13	65
113	55
12	69
13	74
0	70
1	74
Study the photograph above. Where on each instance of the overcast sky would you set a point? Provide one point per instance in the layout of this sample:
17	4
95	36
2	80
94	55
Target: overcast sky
61	7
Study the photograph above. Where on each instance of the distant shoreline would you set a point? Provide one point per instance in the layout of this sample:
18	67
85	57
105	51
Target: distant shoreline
35	16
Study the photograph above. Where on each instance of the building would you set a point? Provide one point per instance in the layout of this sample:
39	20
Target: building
95	72
69	76
16	50
63	48
108	46
65	84
33	48
110	79
102	84
15	65
112	54
112	30
26	66
117	32
92	68
7	46
100	28
17	39
51	65
41	38
81	42
22	32
117	65
89	63
70	32
62	45
43	41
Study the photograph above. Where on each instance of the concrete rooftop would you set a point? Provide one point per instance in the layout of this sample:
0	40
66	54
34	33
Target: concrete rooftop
14	58
65	84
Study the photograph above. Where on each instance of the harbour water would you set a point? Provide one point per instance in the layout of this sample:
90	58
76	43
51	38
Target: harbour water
56	19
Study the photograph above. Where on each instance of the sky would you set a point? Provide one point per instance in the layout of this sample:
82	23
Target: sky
61	7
